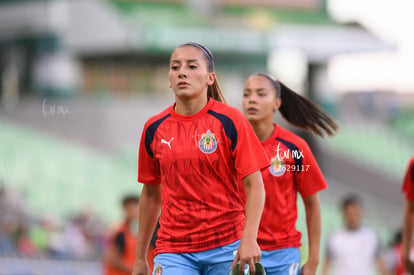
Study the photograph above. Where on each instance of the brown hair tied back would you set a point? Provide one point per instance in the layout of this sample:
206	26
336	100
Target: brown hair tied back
301	112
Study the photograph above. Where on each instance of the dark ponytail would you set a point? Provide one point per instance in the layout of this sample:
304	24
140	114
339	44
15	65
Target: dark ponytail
215	93
213	90
301	112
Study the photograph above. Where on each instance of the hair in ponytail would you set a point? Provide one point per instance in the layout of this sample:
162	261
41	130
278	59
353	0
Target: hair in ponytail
213	90
215	93
301	112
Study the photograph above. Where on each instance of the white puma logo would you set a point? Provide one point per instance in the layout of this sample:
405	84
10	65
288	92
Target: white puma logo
163	141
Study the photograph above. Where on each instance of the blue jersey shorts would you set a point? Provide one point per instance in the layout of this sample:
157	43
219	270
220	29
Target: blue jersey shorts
282	261
215	261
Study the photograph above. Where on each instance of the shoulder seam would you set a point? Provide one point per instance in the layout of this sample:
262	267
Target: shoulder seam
229	127
150	133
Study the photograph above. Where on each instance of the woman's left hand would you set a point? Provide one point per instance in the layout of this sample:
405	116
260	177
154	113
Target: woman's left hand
248	253
309	269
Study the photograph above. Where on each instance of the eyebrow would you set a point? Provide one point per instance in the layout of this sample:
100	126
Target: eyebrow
257	90
188	61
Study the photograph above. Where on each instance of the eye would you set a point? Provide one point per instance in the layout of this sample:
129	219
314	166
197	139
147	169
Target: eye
246	94
262	94
193	67
174	67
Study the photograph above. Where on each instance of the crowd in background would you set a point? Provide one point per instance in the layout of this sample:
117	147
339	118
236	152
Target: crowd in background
84	235
23	233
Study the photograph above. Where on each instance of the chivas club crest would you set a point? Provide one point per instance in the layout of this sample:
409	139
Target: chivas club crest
208	143
158	269
277	166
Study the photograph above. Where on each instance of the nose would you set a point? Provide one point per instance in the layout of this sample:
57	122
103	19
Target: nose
252	98
182	73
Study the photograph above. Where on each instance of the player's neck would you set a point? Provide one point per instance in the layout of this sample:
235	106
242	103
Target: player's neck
263	129
188	107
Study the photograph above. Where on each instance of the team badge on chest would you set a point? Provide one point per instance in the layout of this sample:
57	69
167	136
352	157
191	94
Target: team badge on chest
158	269
277	166
208	143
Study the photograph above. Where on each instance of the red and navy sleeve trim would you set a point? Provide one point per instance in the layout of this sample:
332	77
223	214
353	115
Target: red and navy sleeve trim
229	128
412	173
294	150
150	133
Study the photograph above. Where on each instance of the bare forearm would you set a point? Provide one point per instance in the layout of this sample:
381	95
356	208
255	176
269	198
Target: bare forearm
149	209
313	222
407	228
325	268
249	250
255	197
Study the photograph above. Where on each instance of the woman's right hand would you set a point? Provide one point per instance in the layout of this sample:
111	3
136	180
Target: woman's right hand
140	268
409	265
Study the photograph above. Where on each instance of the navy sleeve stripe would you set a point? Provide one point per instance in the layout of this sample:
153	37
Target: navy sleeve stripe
229	128
294	150
150	133
412	173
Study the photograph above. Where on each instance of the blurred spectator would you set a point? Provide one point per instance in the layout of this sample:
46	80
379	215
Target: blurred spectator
49	237
119	255
78	244
6	242
12	219
355	248
27	235
39	235
25	245
94	230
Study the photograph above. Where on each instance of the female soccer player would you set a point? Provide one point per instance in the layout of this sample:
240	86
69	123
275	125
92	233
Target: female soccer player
408	189
191	156
293	169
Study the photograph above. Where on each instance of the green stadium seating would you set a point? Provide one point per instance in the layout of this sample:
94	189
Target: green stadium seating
377	146
62	178
404	124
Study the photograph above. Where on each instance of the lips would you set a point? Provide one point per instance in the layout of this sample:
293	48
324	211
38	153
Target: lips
252	110
183	84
